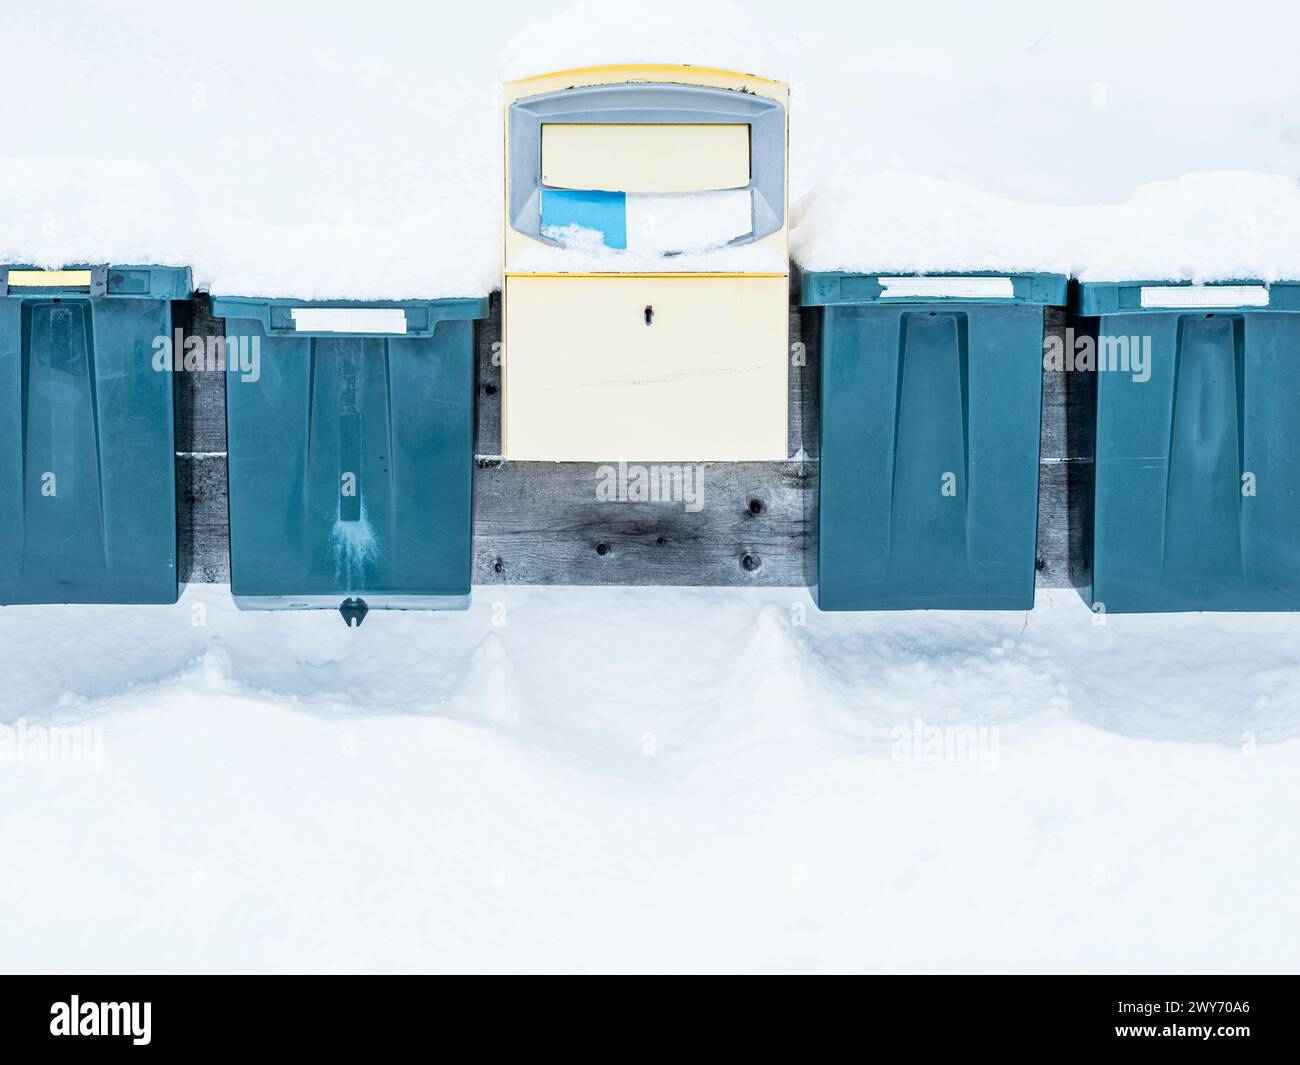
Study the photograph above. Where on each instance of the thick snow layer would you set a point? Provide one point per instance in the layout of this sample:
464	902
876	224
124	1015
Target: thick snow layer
1203	227
356	151
909	223
58	208
278	153
577	780
54	212
701	33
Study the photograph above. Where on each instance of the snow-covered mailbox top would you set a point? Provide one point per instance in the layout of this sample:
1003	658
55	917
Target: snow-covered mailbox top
660	166
675	178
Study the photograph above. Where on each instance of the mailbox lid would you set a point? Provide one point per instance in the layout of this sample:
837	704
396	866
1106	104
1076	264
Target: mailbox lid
832	288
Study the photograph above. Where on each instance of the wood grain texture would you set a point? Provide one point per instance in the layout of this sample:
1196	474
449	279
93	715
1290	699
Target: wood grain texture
203	532
200	397
1081	434
487	354
542	523
1056	455
203	538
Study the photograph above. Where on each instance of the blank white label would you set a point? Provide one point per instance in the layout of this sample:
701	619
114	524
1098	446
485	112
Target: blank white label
349	320
949	288
1205	296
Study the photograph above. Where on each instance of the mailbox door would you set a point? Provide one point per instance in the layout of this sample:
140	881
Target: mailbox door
87	452
646	368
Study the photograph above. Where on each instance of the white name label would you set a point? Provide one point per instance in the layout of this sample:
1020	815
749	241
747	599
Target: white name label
968	288
1205	296
349	320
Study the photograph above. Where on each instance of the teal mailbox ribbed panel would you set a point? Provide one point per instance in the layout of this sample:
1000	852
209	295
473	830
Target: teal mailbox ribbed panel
351	454
87	435
931	391
1197	496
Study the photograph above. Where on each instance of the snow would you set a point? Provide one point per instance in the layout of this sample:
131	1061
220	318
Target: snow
54	213
631	779
1215	226
591	33
342	166
664	233
674	780
364	162
584	251
1040	101
1204	227
1112	139
908	223
690	221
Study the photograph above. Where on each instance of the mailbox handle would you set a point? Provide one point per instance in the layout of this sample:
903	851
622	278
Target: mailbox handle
385	321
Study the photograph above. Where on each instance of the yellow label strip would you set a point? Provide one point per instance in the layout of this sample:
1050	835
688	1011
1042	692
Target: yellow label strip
49	279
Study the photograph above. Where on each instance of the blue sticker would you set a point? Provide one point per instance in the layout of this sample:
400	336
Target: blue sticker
605	212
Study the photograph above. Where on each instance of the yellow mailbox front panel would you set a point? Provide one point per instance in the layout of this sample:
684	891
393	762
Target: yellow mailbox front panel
645	368
645	158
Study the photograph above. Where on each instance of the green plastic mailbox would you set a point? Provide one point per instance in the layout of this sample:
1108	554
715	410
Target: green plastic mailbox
351	453
87	435
931	389
1197	495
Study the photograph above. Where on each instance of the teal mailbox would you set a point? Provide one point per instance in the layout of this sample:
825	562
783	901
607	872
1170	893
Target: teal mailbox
1197	495
931	389
351	453
87	435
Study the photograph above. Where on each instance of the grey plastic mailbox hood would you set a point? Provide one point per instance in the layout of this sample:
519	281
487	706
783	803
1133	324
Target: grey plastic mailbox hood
649	104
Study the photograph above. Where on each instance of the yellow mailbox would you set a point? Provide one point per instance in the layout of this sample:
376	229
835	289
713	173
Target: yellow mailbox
646	266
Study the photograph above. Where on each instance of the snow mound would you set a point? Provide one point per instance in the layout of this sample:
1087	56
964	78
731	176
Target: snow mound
1212	226
55	210
891	221
438	255
702	33
579	779
347	166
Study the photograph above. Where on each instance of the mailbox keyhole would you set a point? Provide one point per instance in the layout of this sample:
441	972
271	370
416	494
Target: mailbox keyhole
649	315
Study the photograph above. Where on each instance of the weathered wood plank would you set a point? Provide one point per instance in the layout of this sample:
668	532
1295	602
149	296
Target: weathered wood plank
487	349
805	398
203	535
1054	444
1081	431
1053	555
1064	435
203	528
1053	560
200	397
543	523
